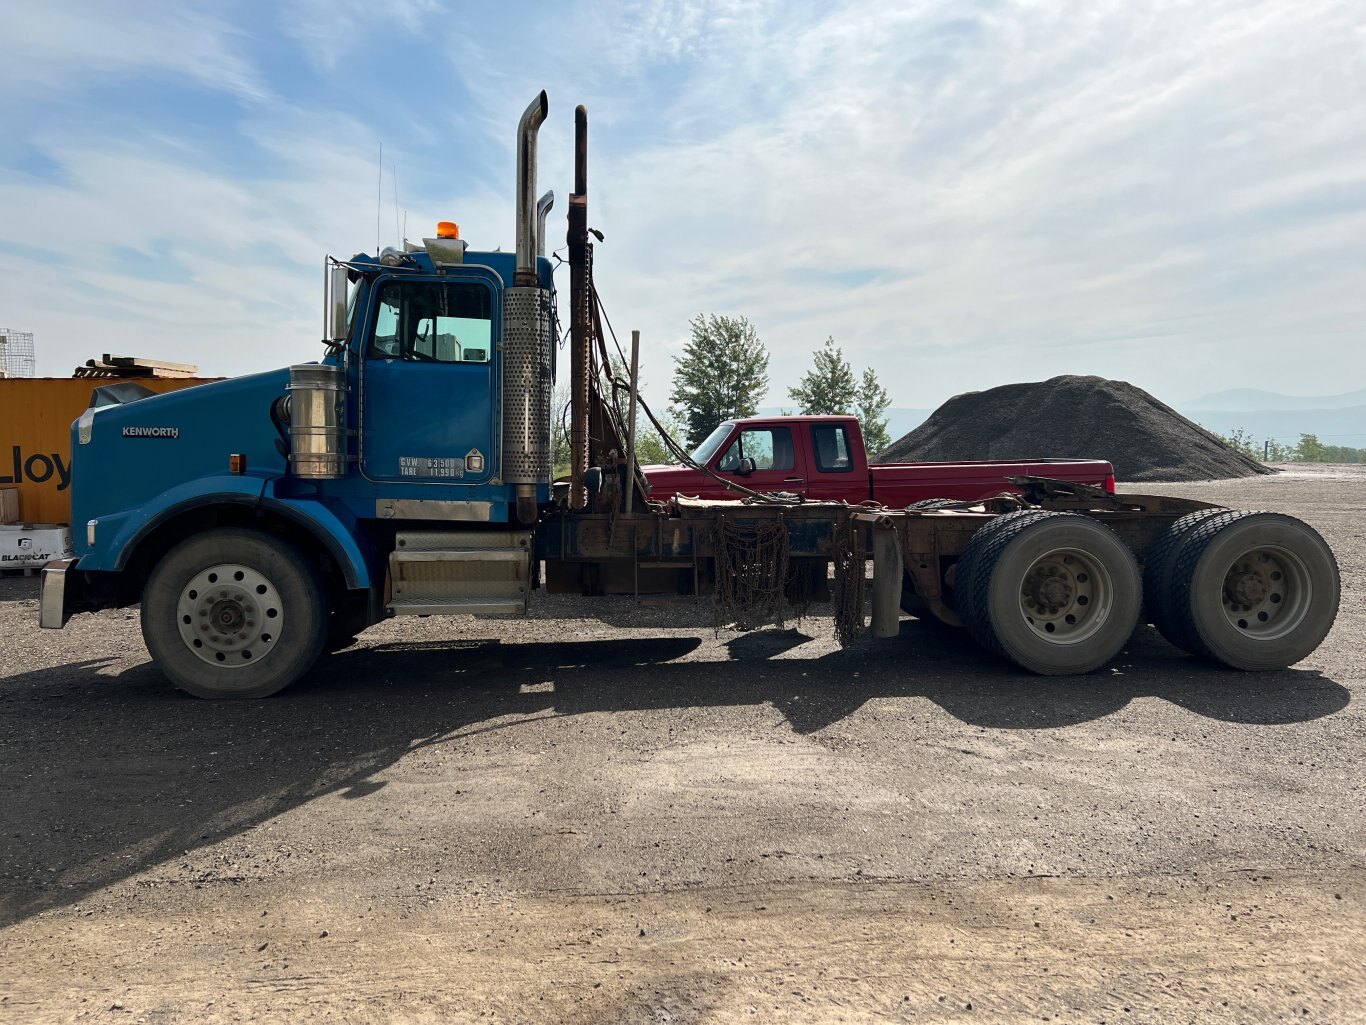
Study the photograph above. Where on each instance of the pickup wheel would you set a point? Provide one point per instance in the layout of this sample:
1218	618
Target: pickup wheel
1160	601
233	614
1055	593
1254	590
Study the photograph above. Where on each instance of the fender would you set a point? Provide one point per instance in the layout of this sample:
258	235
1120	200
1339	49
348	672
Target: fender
335	528
117	535
130	529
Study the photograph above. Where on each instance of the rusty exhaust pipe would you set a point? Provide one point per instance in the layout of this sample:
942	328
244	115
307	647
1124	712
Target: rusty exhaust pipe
579	284
527	128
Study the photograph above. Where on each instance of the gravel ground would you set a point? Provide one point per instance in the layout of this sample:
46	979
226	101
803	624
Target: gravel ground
631	818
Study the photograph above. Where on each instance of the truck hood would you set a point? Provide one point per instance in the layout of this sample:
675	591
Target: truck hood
130	447
667	481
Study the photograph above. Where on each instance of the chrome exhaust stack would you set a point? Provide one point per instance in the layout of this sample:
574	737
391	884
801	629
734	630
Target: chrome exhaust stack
526	336
527	128
543	206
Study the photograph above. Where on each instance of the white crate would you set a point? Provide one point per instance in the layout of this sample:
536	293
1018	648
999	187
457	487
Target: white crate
30	545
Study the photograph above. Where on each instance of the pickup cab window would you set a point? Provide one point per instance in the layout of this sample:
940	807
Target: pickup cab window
831	445
433	322
769	447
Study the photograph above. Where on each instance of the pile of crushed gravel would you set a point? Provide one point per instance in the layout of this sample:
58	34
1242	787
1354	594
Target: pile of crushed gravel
1076	417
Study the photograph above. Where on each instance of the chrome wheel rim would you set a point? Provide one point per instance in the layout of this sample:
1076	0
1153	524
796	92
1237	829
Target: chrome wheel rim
230	615
1066	596
1266	592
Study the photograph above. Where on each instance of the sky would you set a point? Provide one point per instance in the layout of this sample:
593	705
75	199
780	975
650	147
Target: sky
962	194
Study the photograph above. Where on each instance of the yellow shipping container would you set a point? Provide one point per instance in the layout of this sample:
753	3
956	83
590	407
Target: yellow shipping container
35	436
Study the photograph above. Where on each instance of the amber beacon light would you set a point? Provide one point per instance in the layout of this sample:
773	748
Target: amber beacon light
447	229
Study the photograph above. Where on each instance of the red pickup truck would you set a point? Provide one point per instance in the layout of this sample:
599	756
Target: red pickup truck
822	457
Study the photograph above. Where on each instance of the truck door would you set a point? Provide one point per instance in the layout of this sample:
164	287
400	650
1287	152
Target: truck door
428	382
775	460
833	467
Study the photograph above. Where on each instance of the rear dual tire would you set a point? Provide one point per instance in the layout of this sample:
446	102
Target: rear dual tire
1250	590
1055	593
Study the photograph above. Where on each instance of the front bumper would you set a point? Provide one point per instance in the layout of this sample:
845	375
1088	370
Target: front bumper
54	607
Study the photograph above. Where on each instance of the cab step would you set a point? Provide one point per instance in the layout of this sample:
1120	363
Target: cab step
460	572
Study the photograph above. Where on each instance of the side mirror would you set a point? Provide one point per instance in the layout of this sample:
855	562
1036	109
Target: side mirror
746	467
334	304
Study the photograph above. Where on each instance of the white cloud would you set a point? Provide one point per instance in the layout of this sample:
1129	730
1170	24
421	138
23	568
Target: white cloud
1037	191
230	267
329	31
961	196
63	46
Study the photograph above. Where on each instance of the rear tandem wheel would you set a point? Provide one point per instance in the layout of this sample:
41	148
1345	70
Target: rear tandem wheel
1056	593
1251	590
1158	598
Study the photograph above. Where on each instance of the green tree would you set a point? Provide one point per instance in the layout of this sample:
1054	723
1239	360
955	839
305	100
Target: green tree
1278	453
1243	442
650	447
873	401
1343	454
722	373
560	456
1311	450
829	387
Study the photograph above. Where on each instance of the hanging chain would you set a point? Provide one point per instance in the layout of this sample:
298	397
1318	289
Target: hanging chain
849	584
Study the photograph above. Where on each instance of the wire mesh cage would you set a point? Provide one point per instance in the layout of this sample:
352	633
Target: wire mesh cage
16	354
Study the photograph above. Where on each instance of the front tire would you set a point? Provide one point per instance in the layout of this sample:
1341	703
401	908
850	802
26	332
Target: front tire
233	613
1055	593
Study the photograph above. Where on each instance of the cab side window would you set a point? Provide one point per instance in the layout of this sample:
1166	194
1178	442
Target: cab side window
433	322
831	444
769	447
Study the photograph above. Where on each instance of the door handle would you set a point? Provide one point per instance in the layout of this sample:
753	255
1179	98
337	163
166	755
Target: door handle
794	480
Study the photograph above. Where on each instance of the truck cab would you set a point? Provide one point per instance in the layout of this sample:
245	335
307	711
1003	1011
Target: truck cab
816	457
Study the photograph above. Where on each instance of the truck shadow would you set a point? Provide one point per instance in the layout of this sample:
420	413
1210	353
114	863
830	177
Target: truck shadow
109	776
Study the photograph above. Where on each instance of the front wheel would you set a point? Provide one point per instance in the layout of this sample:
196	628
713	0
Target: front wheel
233	613
1056	593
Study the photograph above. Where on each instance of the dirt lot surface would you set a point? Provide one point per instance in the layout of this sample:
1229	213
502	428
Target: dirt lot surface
634	819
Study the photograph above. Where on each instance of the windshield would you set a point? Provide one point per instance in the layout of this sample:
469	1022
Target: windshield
708	448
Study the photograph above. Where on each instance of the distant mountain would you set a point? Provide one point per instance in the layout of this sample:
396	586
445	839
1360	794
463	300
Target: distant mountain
1256	399
1333	426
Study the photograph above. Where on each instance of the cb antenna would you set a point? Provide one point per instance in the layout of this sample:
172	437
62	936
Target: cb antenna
379	193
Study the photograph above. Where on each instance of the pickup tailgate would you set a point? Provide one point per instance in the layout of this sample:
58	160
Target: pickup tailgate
899	484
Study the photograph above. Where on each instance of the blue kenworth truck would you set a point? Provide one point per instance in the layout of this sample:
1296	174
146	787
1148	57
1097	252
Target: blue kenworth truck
263	520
